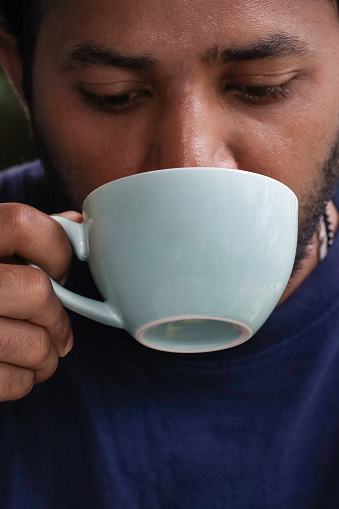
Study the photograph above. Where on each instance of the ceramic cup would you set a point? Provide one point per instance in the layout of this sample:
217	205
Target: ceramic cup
188	259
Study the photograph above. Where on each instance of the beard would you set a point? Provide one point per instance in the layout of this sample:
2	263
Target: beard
66	196
314	205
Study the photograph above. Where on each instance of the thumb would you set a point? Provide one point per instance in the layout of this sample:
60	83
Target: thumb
72	215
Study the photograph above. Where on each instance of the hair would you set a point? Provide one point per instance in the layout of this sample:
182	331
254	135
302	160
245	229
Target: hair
22	19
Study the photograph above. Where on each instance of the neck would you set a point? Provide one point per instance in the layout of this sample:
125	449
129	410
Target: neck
312	259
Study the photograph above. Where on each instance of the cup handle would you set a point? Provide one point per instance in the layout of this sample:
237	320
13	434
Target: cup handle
102	312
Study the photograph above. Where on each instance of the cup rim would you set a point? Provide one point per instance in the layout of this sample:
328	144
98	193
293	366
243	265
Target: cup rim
186	169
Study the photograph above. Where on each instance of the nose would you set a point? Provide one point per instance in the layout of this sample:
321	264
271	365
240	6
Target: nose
192	131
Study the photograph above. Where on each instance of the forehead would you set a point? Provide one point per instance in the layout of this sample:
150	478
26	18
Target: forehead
184	25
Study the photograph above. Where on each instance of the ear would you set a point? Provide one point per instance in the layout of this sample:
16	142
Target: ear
11	61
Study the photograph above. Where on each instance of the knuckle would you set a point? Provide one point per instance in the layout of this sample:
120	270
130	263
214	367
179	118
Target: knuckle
8	275
27	282
26	347
40	347
7	348
23	215
19	216
38	286
15	383
15	218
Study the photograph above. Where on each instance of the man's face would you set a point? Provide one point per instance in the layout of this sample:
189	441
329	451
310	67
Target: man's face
128	86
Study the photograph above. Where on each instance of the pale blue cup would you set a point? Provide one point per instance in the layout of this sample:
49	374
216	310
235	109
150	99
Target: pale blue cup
187	260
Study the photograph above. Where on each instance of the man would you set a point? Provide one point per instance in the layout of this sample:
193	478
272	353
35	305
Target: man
115	88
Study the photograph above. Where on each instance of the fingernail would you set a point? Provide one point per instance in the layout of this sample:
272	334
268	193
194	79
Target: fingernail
69	345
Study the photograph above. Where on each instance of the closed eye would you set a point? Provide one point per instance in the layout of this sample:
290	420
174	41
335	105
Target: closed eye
118	103
263	94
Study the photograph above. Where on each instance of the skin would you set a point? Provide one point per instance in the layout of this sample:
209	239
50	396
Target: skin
184	108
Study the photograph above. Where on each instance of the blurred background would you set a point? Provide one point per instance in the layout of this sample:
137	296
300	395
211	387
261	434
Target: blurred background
16	145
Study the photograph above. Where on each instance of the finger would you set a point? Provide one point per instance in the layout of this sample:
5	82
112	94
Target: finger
29	346
15	382
26	293
72	215
36	237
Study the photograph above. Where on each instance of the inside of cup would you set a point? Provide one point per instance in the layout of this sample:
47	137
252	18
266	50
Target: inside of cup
193	334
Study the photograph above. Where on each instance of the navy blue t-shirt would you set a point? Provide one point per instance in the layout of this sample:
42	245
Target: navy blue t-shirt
121	426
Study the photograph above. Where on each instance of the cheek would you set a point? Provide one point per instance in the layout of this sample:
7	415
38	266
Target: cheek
291	148
92	148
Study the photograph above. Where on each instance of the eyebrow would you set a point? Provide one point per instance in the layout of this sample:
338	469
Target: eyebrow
275	46
88	55
278	45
